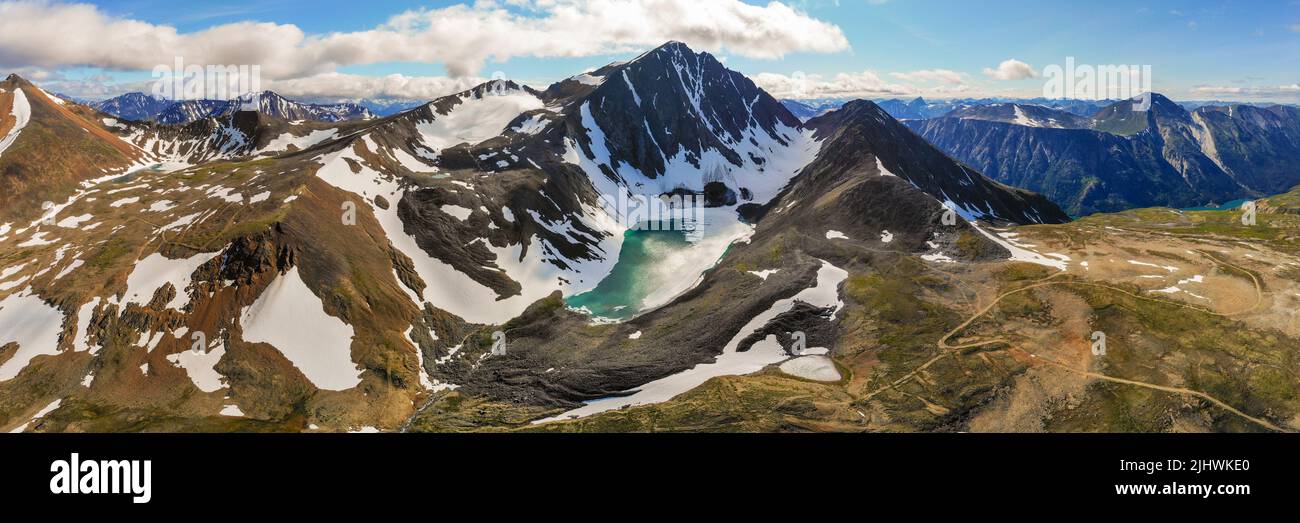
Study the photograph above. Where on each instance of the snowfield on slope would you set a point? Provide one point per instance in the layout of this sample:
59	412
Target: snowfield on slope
156	270
39	414
476	118
290	317
284	141
814	367
454	291
21	113
26	319
780	163
1021	253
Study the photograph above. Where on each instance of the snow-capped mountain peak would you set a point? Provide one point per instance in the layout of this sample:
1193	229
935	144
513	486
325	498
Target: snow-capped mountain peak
145	107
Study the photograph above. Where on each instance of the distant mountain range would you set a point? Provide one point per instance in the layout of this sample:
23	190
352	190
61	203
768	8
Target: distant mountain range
377	106
1022	114
922	109
1097	156
1119	158
134	106
146	107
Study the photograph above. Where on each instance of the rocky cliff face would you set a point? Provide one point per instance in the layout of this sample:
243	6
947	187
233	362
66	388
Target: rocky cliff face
693	114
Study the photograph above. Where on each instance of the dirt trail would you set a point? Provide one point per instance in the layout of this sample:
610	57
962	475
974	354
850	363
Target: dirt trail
1177	390
947	350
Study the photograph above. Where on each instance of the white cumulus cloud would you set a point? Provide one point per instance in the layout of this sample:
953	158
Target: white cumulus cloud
461	37
1011	70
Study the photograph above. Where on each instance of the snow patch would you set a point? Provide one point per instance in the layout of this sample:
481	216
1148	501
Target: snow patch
22	113
533	125
1169	268
84	314
290	317
814	367
66	270
201	365
35	326
1021	253
587	79
938	257
180	222
883	171
9	271
125	201
39	414
284	141
156	270
72	222
37	240
476	118
460	213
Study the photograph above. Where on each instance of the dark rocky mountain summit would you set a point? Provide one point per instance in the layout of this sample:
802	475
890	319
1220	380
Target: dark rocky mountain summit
908	156
691	106
181	113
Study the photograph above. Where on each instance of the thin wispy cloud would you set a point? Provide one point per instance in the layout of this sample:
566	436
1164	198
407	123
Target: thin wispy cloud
1277	91
931	75
865	84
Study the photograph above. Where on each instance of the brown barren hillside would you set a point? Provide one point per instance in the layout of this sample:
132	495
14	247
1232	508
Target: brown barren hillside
61	145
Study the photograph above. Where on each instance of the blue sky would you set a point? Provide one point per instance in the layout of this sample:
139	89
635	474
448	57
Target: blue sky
1197	49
